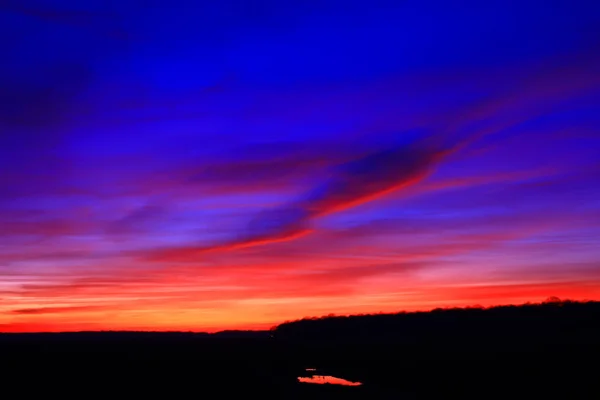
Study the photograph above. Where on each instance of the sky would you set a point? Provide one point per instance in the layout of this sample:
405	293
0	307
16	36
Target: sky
185	165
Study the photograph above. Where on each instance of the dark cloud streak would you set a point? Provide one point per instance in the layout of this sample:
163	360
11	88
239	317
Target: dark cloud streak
349	184
55	310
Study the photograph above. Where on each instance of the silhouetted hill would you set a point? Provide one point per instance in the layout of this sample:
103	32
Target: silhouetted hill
518	324
534	351
547	350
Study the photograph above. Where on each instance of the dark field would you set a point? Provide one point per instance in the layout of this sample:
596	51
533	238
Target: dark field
527	352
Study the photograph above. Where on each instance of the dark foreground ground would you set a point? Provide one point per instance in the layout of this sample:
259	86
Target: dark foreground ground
535	352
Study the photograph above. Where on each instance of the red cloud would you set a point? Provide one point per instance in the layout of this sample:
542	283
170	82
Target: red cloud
57	310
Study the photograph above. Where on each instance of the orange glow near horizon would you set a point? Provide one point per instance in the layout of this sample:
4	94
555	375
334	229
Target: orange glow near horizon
294	167
65	321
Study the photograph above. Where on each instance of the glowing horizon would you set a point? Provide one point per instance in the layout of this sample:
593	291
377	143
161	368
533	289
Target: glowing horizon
226	166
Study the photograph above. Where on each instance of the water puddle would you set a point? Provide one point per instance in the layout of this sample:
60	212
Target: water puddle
325	379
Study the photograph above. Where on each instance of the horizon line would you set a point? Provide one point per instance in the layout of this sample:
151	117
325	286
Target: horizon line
549	300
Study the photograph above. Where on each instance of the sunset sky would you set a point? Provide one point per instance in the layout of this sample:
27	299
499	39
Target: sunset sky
196	165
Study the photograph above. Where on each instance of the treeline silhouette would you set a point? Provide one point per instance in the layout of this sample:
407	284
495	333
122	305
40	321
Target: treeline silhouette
531	351
545	350
518	324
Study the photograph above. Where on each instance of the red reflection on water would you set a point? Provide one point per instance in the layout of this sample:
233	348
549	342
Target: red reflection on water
322	379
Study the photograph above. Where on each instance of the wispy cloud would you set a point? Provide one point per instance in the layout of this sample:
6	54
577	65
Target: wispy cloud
56	310
140	189
349	184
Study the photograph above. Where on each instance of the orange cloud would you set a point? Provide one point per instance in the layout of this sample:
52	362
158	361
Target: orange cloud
56	310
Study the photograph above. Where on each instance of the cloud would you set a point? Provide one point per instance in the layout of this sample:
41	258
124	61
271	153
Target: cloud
55	227
56	310
354	274
368	178
400	167
517	292
268	162
349	184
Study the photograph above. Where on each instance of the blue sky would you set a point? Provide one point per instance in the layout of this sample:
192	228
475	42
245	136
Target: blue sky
181	165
